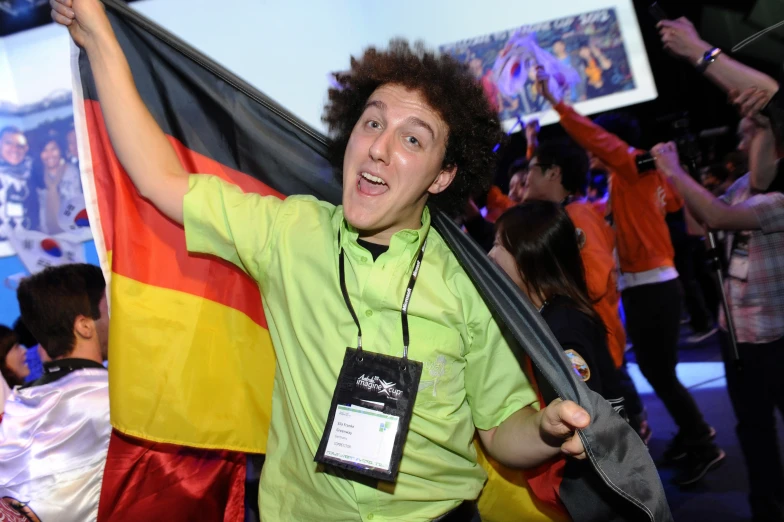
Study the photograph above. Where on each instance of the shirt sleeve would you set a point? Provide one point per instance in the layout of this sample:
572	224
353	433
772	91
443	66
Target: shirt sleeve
572	331
613	151
769	209
729	196
496	385
223	221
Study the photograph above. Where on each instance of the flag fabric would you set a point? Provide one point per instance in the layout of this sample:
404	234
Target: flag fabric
522	52
37	250
73	219
192	363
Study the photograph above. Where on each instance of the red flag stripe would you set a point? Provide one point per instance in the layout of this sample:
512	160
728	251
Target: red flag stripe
133	229
150	481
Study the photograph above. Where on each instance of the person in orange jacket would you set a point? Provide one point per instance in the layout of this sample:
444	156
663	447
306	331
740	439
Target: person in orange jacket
558	173
649	280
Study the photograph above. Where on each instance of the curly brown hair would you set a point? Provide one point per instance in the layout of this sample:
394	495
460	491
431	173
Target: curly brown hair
449	89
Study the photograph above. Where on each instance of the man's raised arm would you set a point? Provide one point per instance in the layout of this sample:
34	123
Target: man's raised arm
681	39
140	144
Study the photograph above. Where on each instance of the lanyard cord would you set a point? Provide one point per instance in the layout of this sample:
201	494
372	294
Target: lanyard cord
403	308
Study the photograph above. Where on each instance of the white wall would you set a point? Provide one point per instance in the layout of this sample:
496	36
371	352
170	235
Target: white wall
7	88
283	48
39	62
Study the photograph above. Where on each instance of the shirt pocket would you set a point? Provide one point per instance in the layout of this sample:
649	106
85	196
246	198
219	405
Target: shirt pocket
439	349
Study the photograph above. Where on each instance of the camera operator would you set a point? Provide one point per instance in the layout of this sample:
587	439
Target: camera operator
649	286
753	207
755	290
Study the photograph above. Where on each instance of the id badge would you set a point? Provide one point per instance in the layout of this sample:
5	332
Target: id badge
370	414
739	265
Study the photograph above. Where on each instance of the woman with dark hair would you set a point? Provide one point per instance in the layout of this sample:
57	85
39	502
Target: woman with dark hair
13	366
537	246
59	182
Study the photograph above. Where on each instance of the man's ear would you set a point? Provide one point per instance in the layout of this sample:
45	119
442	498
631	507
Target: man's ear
554	173
84	327
443	180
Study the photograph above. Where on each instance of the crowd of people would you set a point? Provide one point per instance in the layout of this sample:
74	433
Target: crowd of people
584	231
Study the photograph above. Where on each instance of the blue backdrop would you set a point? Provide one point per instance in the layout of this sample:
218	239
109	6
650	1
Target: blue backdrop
9	266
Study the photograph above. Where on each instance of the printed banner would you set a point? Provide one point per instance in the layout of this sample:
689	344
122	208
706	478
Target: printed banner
584	56
42	209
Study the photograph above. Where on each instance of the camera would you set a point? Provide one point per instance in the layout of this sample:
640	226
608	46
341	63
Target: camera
685	142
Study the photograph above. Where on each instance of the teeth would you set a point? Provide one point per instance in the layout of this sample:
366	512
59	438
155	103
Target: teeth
371	177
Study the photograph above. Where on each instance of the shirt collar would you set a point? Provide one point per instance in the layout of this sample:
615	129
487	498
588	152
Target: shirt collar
59	368
406	241
70	364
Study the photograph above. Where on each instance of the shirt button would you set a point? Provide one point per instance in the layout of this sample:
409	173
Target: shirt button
369	313
370	516
363	259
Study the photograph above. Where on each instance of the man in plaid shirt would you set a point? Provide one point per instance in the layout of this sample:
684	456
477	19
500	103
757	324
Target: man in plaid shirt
755	290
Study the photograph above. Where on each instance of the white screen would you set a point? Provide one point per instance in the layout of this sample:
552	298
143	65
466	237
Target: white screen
289	49
588	57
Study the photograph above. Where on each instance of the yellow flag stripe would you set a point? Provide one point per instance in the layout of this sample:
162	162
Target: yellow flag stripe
174	357
507	497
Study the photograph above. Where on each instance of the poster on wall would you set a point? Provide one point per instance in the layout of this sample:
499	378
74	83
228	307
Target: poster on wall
584	55
42	212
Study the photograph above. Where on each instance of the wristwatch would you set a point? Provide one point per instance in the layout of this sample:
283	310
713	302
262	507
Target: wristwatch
708	58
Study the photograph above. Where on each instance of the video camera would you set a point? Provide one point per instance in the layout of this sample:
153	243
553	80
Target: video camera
686	143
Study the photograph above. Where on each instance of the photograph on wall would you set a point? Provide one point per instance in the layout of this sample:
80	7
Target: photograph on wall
583	54
42	212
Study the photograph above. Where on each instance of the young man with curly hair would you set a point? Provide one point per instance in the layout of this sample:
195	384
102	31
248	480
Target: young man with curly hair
408	128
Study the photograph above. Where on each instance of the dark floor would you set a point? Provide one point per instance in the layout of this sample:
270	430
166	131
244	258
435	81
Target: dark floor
721	496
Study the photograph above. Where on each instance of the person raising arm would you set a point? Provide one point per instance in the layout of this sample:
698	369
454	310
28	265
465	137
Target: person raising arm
140	144
407	126
681	39
711	211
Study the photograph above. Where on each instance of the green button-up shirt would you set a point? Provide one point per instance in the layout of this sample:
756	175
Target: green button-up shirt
470	377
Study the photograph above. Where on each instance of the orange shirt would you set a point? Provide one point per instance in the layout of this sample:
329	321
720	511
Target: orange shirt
596	250
497	204
639	202
601	206
593	72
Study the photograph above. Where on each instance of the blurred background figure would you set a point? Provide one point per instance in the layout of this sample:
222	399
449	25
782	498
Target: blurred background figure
59	181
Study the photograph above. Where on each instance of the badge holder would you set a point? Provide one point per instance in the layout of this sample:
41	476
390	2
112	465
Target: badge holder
370	414
373	402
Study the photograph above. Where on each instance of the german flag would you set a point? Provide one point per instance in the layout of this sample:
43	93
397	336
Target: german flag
192	363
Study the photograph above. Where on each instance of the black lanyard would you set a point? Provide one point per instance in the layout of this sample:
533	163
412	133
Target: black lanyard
403	308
